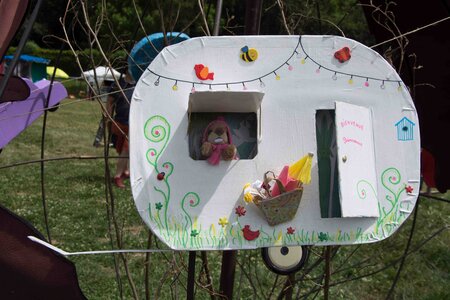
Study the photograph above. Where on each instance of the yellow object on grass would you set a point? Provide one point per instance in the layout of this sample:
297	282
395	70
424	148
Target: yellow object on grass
279	241
301	169
59	73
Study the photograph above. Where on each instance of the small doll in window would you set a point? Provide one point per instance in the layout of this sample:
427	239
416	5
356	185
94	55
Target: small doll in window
217	143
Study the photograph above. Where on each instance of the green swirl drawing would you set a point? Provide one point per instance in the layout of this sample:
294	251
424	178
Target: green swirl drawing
390	179
157	131
194	200
362	192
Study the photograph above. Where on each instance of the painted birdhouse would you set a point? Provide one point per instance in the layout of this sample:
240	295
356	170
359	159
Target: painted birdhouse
405	129
297	102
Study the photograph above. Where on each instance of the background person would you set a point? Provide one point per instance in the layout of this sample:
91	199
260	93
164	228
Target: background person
118	106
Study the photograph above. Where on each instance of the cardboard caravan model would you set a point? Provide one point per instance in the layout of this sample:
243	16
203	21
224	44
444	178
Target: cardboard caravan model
260	141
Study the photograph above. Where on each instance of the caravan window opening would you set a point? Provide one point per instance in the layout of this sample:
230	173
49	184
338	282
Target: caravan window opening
240	112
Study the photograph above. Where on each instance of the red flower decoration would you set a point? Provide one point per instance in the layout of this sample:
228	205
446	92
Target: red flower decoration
240	211
290	230
409	189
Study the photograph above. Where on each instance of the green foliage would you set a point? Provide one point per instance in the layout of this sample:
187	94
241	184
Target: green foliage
119	25
76	87
30	47
119	22
67	60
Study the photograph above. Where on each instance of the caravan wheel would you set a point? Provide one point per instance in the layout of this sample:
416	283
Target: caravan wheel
285	260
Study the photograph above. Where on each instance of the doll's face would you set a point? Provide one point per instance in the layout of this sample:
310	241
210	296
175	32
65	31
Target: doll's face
217	133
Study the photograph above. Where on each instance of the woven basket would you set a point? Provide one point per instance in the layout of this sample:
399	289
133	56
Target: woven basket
281	208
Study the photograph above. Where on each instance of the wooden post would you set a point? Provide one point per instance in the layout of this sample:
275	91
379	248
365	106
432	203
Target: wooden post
253	10
326	286
191	276
227	273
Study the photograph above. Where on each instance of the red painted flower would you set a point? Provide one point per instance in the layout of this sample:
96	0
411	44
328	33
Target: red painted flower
290	230
240	211
409	189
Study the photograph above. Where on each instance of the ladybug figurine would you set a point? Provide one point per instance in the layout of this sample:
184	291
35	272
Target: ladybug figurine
160	176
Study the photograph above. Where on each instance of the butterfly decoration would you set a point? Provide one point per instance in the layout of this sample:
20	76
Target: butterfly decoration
342	55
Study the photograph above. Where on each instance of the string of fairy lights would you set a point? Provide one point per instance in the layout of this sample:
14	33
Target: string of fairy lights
299	53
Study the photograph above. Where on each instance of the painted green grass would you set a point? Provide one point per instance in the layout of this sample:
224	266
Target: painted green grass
77	216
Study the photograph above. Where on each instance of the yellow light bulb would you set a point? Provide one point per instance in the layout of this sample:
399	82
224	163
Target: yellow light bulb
277	77
175	87
303	61
350	81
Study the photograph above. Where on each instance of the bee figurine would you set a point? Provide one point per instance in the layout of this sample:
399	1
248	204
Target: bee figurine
249	54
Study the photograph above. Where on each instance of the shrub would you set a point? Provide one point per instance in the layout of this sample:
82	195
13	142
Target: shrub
67	60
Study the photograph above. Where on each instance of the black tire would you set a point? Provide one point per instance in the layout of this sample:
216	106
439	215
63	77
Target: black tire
54	108
285	260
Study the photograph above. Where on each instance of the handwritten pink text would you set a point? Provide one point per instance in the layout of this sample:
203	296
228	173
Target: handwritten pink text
347	140
352	123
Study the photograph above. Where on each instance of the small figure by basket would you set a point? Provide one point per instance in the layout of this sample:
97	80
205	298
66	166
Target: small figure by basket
278	197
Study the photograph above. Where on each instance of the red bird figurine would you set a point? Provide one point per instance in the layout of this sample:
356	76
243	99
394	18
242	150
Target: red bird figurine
250	235
202	72
343	55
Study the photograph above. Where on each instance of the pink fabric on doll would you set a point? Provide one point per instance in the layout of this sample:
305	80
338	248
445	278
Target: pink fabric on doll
288	182
214	159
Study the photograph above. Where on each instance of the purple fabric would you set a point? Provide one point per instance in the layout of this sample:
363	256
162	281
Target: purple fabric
18	115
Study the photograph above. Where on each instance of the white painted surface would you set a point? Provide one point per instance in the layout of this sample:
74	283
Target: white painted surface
356	160
288	132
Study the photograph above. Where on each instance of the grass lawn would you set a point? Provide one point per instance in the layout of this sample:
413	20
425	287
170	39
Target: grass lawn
78	220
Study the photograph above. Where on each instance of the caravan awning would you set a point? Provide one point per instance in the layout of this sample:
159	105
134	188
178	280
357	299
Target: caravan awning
29	58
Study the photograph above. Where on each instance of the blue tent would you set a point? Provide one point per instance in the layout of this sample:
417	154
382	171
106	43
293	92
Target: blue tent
148	48
28	66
